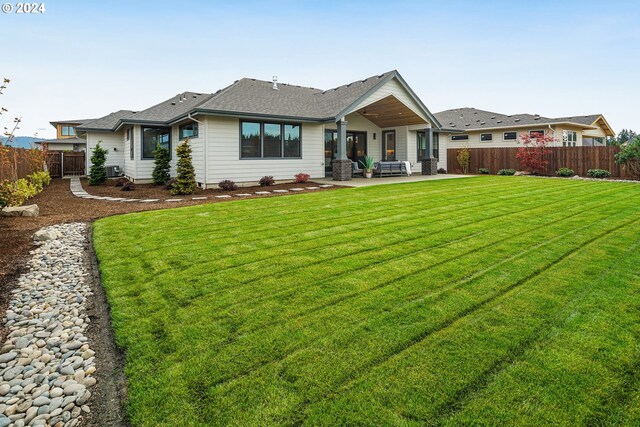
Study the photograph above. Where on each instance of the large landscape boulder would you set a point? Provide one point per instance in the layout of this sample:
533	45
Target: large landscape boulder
29	210
46	234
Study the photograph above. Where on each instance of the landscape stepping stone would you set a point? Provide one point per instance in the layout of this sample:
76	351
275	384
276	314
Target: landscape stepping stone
297	189
280	191
198	198
313	188
263	192
243	194
173	200
326	185
224	196
150	200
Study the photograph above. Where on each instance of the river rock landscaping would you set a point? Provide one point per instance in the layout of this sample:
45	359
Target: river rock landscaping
46	363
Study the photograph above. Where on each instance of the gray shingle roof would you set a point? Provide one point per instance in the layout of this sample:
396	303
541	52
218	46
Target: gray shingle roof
473	119
73	122
108	122
251	97
62	141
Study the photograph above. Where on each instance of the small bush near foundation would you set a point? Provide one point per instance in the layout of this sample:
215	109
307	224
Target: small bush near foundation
128	186
121	181
442	171
507	172
227	185
168	185
302	177
565	172
598	173
484	171
266	181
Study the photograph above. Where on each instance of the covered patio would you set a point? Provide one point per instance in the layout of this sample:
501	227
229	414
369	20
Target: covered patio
364	182
391	127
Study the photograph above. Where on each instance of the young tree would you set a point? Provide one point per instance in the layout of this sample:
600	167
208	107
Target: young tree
533	151
629	156
162	165
185	174
463	156
98	173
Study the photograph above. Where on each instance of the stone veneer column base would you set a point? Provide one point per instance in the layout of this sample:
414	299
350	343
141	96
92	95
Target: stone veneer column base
430	167
342	170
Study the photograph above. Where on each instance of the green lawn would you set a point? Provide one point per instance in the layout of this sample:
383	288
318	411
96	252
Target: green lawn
487	301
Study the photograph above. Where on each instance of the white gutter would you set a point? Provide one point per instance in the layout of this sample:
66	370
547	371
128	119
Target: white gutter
204	141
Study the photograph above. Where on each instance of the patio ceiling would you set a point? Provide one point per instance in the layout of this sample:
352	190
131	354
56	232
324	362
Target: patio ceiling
390	112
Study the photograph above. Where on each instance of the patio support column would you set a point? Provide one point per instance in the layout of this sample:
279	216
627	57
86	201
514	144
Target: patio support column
342	167
429	163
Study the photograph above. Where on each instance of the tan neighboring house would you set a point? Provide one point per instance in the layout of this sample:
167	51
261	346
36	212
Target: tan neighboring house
478	128
66	138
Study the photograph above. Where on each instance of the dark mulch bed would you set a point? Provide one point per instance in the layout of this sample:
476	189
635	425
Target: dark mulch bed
57	205
150	191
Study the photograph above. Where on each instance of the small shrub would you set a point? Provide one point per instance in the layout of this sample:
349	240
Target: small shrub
168	185
266	181
185	173
484	171
507	172
565	172
121	181
227	185
15	193
598	173
302	177
442	171
128	186
98	173
40	179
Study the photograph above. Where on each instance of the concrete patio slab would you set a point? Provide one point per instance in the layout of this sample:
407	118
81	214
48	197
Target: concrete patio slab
364	182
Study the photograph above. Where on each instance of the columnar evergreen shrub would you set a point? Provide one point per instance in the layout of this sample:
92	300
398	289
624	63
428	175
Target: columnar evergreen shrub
162	166
98	173
185	173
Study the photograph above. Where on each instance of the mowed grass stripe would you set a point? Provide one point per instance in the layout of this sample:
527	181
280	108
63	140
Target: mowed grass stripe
303	343
229	245
501	334
382	338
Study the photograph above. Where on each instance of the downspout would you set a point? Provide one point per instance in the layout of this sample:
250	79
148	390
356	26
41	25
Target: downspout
553	131
204	141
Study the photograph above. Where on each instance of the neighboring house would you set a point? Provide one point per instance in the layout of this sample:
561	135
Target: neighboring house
254	128
478	128
66	138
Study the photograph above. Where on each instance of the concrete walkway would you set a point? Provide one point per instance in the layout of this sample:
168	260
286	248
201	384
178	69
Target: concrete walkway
78	191
363	182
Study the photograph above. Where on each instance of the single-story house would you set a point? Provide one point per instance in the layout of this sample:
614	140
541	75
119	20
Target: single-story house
478	128
66	138
254	128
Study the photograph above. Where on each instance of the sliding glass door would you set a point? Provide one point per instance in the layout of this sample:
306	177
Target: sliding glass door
356	147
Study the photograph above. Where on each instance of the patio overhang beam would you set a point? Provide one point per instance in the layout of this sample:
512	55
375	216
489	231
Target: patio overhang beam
390	112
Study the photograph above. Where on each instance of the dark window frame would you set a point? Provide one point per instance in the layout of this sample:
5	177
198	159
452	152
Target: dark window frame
384	146
483	135
196	129
170	143
282	140
131	146
463	137
536	131
435	147
504	136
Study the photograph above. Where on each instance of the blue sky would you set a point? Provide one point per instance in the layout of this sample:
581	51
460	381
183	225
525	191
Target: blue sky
554	58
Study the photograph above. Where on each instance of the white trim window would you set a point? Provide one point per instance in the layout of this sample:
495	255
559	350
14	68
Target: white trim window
486	137
459	137
569	138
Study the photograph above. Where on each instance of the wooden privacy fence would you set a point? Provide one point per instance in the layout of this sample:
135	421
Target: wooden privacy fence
59	163
580	159
19	159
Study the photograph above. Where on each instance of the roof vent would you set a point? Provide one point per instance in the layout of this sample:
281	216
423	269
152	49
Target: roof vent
499	121
482	123
173	103
493	117
468	124
275	83
516	120
536	118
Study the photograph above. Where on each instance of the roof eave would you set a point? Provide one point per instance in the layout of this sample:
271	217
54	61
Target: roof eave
525	125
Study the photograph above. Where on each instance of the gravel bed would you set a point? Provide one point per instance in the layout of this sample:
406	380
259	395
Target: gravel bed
46	363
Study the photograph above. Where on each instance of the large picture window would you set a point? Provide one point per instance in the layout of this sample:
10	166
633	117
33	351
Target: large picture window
68	131
152	136
267	140
188	130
